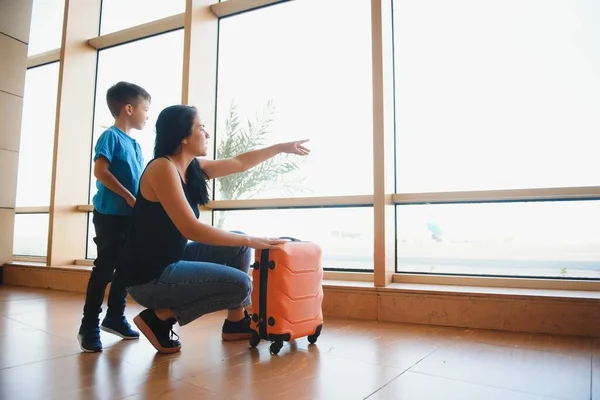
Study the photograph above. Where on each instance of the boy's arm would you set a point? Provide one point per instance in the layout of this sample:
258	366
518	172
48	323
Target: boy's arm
102	173
250	159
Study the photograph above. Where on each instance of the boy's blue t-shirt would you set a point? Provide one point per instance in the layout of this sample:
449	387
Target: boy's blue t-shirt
126	164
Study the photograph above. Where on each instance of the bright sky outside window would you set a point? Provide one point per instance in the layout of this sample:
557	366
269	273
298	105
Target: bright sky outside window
31	235
37	136
496	95
46	26
122	14
295	70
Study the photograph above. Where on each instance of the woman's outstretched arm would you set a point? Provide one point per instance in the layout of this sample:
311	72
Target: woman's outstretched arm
245	161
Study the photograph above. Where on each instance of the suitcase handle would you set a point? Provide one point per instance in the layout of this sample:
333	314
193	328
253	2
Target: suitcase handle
289	238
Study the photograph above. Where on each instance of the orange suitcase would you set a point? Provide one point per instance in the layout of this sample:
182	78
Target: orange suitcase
287	294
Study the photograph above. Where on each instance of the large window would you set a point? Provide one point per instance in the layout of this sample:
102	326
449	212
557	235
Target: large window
548	239
344	234
122	14
297	70
37	136
497	96
494	103
31	235
35	159
46	26
160	73
281	79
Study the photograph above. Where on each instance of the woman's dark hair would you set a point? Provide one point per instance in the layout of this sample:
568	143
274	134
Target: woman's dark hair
174	124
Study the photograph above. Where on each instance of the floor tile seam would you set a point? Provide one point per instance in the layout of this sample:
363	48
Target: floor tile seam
39	361
173	380
38	329
528	349
24	323
31	312
23	300
342	357
41	297
203	388
490	386
386	384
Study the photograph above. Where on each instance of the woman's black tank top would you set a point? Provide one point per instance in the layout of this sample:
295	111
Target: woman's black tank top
153	241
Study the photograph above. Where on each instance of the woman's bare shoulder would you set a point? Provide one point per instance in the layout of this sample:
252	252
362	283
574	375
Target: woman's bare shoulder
160	166
158	174
161	162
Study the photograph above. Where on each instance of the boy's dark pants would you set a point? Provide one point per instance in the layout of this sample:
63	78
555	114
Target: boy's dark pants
110	233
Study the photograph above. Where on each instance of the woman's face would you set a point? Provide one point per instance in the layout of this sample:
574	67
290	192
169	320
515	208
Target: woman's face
199	138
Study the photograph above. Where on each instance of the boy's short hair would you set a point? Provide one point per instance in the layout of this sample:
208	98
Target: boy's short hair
123	93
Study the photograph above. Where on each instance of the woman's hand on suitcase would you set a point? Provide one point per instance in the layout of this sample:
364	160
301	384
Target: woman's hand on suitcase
264	243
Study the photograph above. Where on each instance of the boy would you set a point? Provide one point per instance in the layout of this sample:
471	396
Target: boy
118	165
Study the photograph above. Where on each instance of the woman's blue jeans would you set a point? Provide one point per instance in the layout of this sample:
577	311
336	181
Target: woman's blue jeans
207	279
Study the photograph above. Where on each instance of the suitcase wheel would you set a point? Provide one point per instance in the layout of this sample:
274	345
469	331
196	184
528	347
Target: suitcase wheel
312	339
275	347
255	339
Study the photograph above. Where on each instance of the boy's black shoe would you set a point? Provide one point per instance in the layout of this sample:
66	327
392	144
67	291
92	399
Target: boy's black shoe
239	330
89	338
120	327
159	333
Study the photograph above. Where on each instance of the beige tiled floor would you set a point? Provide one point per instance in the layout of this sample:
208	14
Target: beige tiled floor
40	359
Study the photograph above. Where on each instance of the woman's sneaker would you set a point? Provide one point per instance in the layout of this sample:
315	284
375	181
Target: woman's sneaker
239	330
159	333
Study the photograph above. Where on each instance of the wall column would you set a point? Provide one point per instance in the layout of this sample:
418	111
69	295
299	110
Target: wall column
15	19
384	246
201	33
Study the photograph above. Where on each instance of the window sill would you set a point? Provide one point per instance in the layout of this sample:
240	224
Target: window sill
496	282
483	291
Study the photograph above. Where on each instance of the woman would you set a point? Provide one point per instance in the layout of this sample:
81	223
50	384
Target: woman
175	280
